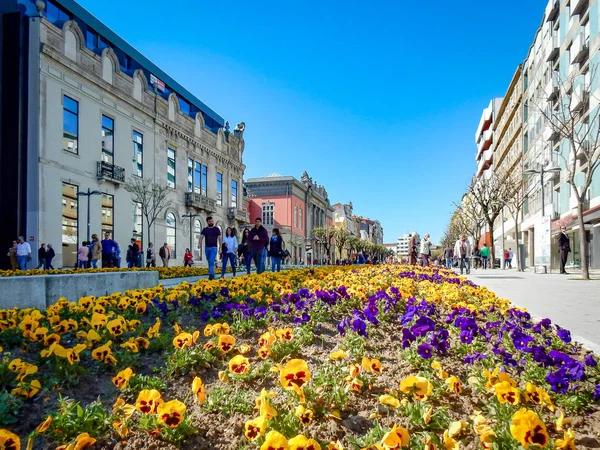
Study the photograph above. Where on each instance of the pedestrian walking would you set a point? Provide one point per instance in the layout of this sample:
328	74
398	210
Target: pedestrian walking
187	258
83	254
413	248
42	257
50	254
276	247
259	239
213	242
228	249
12	255
150	256
135	253
425	250
449	256
116	259
165	255
484	253
510	258
129	256
108	250
95	250
564	248
462	251
23	253
244	250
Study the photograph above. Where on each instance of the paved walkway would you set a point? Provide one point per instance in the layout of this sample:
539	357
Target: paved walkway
571	303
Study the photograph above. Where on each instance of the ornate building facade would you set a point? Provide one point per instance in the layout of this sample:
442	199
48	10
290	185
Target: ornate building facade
98	114
295	207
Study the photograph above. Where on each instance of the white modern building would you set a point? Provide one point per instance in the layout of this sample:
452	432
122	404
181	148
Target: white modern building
484	138
95	114
402	245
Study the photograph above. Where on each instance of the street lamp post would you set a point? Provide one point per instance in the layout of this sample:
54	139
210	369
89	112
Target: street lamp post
541	172
191	217
88	194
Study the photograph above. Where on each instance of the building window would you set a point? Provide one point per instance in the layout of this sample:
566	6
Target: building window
190	180
171	233
204	181
197	251
70	224
108	216
138	154
70	124
267	213
108	139
296	216
171	168
138	223
300	217
197	178
233	193
219	188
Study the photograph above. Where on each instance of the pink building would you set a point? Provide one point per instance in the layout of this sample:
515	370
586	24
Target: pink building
295	208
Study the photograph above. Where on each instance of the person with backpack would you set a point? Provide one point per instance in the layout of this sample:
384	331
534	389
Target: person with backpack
276	247
150	256
165	254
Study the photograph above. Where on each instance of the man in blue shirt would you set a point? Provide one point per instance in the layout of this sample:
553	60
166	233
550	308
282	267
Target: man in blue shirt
108	249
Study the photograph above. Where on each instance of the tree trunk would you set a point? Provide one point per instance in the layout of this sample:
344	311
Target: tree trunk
517	252
583	247
492	244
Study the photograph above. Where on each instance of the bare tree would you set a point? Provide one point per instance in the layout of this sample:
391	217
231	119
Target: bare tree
324	236
341	236
152	197
567	114
486	194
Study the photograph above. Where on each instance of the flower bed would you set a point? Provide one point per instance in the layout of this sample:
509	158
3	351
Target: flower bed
163	272
376	358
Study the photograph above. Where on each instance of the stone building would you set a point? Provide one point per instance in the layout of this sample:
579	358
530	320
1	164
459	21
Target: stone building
293	206
89	114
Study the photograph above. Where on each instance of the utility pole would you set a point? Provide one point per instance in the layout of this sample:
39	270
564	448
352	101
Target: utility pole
88	194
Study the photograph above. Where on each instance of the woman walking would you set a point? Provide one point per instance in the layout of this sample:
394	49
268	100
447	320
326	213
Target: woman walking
244	250
229	246
276	250
12	255
83	253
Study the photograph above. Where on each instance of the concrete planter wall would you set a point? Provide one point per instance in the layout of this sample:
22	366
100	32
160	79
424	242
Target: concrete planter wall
42	291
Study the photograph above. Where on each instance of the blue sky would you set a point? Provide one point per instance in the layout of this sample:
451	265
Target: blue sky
378	101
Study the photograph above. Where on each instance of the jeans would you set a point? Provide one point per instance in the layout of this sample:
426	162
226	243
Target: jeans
275	263
42	264
259	262
82	264
107	260
211	255
448	263
484	261
49	264
95	263
463	262
248	262
22	261
230	256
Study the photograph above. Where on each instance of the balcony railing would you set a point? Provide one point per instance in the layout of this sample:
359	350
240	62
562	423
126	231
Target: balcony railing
110	172
552	10
580	49
554	48
578	6
200	202
239	215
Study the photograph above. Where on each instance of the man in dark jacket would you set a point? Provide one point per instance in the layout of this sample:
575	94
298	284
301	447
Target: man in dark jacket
564	247
259	239
50	254
42	257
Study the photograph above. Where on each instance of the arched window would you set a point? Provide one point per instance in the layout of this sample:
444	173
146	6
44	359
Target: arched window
171	233
196	251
